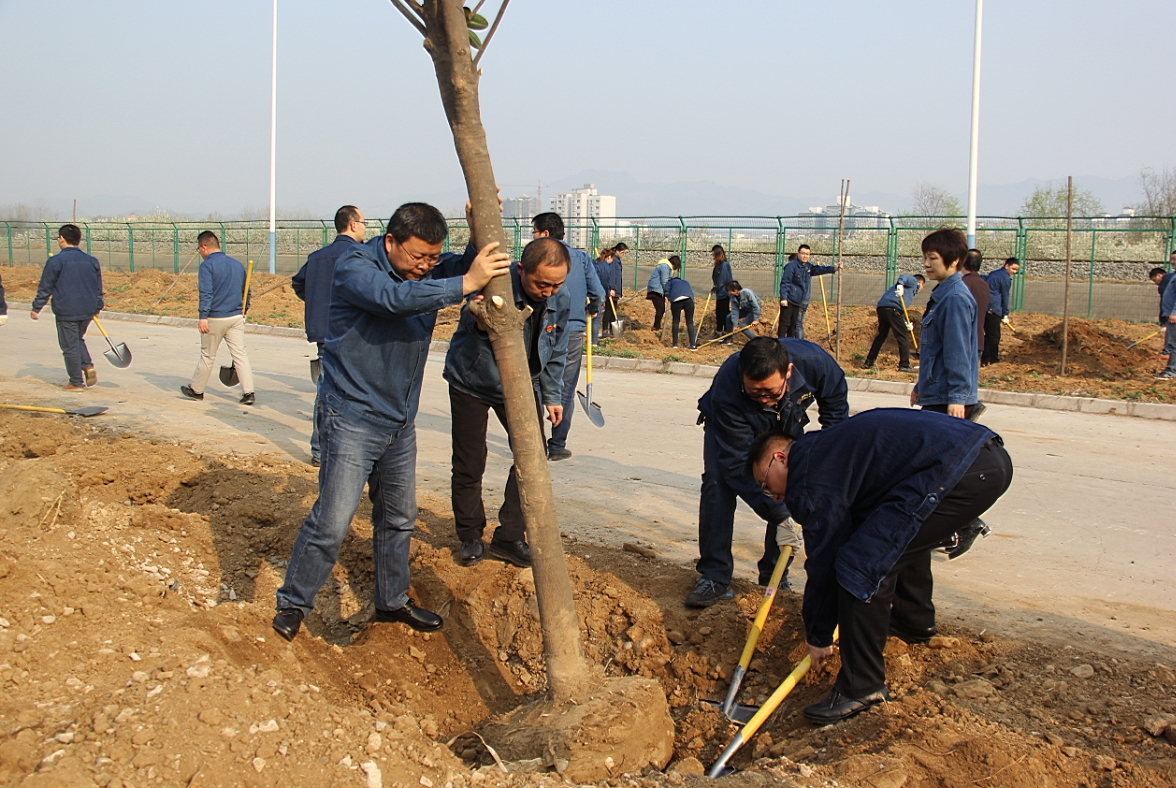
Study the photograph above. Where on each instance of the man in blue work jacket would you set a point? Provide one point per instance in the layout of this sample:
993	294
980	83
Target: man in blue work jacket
475	388
892	317
73	280
876	494
1000	288
384	302
770	384
312	284
585	295
796	287
222	317
1166	284
949	360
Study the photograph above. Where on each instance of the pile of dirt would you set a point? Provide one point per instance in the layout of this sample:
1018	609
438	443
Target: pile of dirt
136	586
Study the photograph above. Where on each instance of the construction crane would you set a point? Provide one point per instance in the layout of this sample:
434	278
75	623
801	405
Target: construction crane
538	189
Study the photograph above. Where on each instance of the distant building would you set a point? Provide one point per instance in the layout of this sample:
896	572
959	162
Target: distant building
857	217
521	207
578	208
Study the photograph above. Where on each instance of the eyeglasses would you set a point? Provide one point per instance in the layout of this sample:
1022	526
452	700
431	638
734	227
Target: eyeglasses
422	258
764	484
767	396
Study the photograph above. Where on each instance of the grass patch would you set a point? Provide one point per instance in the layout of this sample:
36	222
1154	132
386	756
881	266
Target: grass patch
616	352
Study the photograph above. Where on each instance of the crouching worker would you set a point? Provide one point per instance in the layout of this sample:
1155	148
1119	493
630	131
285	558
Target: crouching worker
876	494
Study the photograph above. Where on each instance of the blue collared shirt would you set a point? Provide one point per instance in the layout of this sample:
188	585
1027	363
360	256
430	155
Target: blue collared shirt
222	286
74	280
585	292
949	362
312	284
1000	286
378	334
910	286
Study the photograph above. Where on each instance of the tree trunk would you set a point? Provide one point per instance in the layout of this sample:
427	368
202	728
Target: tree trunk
448	43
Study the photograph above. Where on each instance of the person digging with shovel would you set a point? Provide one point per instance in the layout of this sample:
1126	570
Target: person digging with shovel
222	317
876	493
769	384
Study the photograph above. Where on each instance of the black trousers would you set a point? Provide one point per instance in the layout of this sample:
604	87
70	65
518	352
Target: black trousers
609	314
470	416
991	352
722	309
71	338
904	598
677	309
891	319
789	317
659	308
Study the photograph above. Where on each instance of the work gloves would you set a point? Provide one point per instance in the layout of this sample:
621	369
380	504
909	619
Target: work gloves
910	327
1005	320
3	319
788	535
898	290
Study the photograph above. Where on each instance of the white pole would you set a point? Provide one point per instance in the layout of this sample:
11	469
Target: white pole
273	223
974	153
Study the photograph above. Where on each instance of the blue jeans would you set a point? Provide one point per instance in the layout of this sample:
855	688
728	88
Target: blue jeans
559	434
352	452
744	321
71	339
800	313
716	519
1170	346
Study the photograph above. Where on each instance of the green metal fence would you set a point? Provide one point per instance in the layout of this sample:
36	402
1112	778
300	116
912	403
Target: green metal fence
1110	256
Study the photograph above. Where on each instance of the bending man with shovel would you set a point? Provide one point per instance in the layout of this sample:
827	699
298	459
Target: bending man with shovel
876	493
222	317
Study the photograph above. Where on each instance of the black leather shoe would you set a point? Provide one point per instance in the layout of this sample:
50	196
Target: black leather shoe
913	636
190	393
472	551
558	454
248	399
287	622
961	541
837	707
416	617
517	553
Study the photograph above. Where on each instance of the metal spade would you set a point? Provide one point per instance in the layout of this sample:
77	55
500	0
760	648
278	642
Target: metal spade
120	354
591	408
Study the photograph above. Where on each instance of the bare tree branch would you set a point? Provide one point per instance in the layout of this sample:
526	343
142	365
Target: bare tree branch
479	5
489	35
415	20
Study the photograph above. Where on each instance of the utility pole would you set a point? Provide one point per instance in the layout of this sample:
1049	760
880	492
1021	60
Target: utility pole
273	216
974	150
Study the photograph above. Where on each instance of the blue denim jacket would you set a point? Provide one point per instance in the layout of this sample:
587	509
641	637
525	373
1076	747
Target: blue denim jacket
470	366
312	284
677	288
74	280
737	419
660	278
862	490
910	286
720	276
1000	286
749	306
222	285
584	289
378	334
1167	290
949	364
796	282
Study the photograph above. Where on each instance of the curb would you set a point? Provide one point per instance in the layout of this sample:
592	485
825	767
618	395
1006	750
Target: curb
1142	410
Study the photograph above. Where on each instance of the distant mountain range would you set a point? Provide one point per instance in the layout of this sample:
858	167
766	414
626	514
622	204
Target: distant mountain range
680	198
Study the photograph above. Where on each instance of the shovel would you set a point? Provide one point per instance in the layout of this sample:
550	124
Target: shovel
89	410
120	354
617	326
1146	338
742	737
316	366
586	403
735	711
228	375
907	317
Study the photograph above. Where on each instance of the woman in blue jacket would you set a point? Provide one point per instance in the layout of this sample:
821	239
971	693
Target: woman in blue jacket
655	290
720	276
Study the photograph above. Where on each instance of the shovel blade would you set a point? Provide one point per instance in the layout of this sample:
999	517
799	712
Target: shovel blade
228	376
617	328
119	355
315	370
89	410
740	714
595	415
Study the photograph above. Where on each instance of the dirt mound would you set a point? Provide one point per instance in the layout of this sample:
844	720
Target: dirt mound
136	587
1095	349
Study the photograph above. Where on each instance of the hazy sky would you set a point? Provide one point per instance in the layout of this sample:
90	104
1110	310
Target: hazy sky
169	102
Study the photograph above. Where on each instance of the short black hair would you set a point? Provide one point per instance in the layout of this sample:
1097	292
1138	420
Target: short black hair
973	260
765	443
549	222
418	220
544	251
922	279
762	357
733	286
71	234
803	246
344	217
1012	261
949	243
208	240
1150	274
621	247
675	262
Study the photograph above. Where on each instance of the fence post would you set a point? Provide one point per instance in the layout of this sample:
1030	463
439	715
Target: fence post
88	250
1090	284
595	240
8	233
891	253
684	239
175	248
130	247
778	272
47	238
1022	253
636	249
324	231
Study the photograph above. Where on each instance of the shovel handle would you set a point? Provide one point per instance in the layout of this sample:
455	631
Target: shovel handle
100	328
588	336
906	316
245	295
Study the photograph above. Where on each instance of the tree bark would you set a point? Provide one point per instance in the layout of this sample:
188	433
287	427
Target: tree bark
448	44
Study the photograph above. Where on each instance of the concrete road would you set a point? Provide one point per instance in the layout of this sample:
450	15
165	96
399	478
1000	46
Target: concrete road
1083	544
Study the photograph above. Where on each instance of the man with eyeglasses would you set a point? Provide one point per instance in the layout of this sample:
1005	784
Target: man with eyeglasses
384	302
769	385
475	388
877	493
312	284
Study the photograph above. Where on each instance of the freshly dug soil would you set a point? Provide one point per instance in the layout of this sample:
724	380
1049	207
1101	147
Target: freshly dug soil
1098	363
136	587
